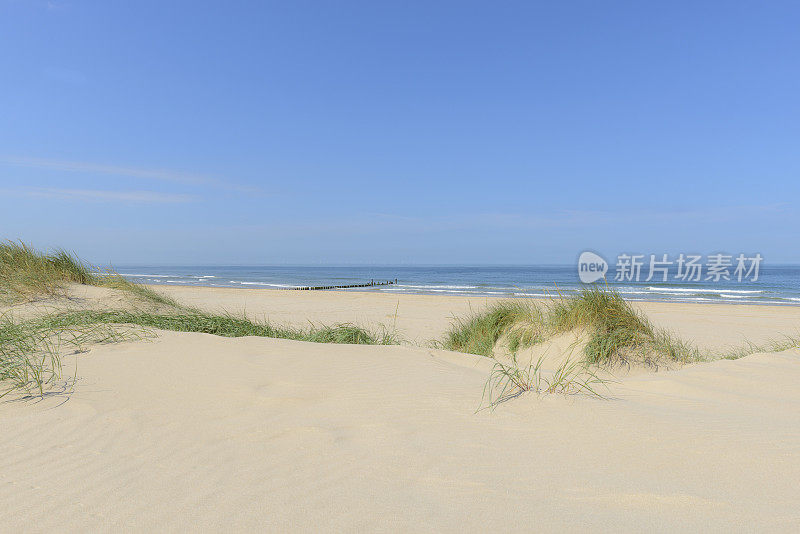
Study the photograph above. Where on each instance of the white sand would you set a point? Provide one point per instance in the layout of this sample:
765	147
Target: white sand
196	432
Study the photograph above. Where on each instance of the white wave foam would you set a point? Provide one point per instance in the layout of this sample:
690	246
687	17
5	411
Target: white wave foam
436	286
719	301
451	291
701	290
263	284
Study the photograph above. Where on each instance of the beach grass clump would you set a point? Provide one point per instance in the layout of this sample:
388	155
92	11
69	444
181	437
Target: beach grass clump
30	351
115	281
616	332
26	273
478	333
349	334
225	325
508	380
748	348
529	328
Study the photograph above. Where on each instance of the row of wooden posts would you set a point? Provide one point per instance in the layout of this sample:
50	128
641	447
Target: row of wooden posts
371	283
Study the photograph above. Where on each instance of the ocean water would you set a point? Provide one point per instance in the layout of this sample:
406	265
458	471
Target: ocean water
776	284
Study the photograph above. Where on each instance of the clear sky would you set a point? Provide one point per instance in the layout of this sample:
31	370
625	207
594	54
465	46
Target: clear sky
399	132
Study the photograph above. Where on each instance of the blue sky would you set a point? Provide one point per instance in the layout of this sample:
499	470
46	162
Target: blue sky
399	132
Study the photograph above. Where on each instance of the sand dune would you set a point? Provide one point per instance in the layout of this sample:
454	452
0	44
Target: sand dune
420	318
197	432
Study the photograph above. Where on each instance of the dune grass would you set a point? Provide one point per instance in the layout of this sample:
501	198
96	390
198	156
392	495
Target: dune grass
30	351
616	331
225	325
508	380
115	281
776	345
478	333
26	273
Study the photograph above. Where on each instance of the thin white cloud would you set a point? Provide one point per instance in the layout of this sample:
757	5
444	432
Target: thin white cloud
116	170
97	195
55	6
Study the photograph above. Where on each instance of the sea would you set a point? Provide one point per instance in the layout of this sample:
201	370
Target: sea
776	284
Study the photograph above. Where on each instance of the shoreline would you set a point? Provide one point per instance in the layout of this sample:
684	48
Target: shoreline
454	294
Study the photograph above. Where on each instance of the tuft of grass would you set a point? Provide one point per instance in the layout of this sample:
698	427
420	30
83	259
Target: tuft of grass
225	325
672	348
617	332
26	273
778	345
349	334
70	267
116	281
508	380
614	325
478	333
528	330
30	351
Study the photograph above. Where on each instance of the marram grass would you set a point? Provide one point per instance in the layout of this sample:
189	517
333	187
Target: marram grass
616	332
27	274
776	345
30	351
508	380
115	281
479	332
225	325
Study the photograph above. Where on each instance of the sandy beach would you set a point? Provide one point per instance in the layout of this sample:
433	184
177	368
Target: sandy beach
399	267
196	432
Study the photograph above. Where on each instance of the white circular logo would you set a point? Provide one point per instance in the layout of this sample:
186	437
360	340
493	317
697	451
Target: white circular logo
591	267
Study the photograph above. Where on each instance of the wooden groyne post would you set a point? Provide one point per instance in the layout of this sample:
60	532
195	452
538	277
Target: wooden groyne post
371	283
